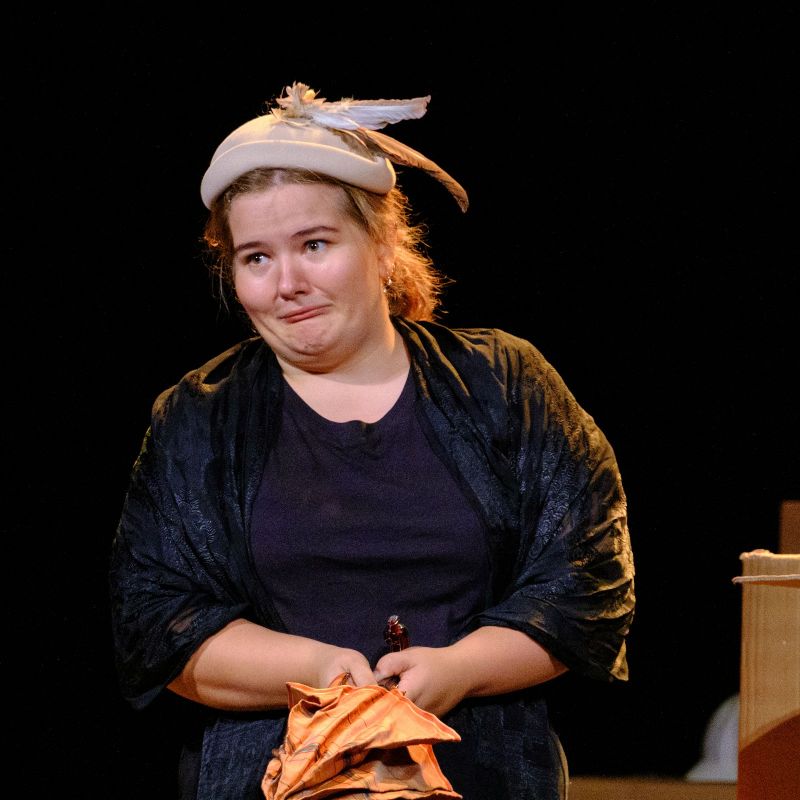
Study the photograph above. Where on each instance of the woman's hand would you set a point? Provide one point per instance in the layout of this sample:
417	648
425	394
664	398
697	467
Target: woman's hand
329	662
246	667
489	661
429	676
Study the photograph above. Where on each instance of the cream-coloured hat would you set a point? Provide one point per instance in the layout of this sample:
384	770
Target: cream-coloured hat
336	139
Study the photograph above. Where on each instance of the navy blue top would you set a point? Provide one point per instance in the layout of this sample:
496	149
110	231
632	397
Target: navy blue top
356	521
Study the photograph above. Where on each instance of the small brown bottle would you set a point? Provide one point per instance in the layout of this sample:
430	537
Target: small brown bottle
395	634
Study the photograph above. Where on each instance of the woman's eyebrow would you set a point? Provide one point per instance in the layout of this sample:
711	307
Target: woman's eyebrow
301	234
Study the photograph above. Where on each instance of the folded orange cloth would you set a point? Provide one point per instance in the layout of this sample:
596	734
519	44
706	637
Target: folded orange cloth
351	743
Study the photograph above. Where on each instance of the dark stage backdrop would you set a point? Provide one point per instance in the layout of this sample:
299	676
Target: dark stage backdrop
633	177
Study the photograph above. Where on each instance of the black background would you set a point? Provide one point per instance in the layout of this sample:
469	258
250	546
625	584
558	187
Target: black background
633	174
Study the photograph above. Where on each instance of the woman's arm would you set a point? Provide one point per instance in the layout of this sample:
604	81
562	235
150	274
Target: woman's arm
489	661
245	667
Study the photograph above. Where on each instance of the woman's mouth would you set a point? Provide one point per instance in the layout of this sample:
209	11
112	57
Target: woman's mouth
302	314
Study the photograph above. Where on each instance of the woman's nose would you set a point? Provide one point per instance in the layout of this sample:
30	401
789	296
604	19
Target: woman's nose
291	277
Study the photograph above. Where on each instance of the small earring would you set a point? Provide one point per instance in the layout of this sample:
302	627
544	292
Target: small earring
386	284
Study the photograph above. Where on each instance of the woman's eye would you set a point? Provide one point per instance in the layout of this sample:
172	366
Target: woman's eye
256	259
315	246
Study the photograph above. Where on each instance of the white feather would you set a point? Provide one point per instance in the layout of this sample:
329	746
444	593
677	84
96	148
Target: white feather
347	114
371	114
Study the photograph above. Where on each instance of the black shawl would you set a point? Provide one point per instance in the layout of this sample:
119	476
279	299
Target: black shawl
542	473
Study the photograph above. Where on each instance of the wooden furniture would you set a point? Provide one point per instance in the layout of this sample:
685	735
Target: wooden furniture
642	788
769	695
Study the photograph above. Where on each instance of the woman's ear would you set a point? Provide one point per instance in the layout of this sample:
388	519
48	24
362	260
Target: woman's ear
386	253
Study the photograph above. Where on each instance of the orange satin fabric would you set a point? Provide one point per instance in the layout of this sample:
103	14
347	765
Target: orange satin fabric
351	743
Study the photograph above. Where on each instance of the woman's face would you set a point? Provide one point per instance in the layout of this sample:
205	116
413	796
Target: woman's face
308	277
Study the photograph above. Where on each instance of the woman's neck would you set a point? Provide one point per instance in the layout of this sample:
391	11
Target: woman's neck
365	390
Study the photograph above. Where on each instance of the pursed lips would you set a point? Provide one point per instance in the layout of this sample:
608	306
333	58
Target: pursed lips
302	313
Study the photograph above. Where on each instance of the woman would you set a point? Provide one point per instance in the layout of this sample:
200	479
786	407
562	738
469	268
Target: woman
355	459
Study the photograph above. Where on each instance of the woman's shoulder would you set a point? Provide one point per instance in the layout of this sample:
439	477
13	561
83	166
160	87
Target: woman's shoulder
215	378
489	363
497	348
